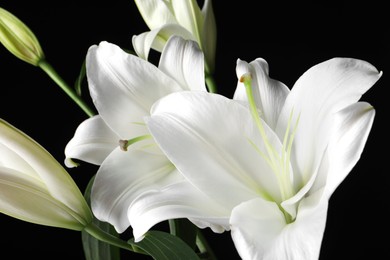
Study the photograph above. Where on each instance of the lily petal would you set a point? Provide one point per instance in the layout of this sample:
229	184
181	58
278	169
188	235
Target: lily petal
157	38
183	61
178	200
204	144
131	173
155	12
269	94
346	146
259	218
260	232
93	141
124	87
176	17
317	95
189	15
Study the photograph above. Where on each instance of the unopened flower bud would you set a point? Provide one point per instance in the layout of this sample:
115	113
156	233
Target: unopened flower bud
19	39
34	187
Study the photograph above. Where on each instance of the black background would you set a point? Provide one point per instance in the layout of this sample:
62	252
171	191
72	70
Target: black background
291	37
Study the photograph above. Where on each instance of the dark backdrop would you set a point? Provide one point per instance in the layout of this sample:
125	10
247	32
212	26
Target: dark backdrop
291	37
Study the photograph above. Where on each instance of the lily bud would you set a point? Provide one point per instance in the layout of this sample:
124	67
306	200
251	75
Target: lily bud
19	39
34	187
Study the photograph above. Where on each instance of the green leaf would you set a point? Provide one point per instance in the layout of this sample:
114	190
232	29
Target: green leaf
95	249
164	246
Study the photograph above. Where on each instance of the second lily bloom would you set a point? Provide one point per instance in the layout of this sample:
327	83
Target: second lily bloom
123	88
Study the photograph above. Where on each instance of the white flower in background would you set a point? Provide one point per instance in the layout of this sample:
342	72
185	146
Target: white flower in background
275	165
177	17
34	187
123	88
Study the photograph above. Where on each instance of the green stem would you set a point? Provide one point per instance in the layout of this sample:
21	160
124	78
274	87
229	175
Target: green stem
204	247
46	67
211	85
185	230
101	235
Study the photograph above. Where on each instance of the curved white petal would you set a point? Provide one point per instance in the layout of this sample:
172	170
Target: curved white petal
156	12
92	142
183	61
122	177
178	200
317	95
269	94
260	232
353	127
291	205
254	226
157	38
208	138
142	43
124	87
188	15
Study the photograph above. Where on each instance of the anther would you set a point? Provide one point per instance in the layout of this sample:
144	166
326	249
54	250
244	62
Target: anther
123	144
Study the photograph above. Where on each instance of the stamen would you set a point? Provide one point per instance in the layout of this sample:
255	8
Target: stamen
138	123
287	149
286	155
124	144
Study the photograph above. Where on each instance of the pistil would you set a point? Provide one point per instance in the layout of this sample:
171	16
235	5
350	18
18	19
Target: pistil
278	162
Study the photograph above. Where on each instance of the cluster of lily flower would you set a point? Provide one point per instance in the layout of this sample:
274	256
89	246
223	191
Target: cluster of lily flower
262	165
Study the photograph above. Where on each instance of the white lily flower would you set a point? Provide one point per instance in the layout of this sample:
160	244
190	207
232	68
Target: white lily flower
34	187
123	88
275	165
177	17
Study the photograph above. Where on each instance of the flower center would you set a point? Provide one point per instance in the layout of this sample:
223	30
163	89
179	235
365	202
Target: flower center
279	161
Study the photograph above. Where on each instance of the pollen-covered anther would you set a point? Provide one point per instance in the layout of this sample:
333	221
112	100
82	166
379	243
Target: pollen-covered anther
123	144
246	78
